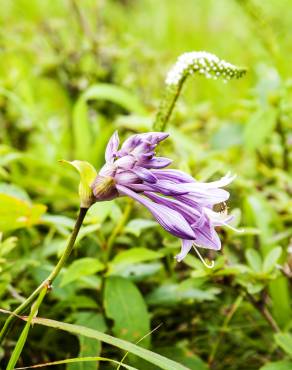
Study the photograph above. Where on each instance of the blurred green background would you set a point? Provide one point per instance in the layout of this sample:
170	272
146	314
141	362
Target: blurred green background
71	72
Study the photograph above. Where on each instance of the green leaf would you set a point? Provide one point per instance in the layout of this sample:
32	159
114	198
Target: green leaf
137	225
258	211
16	213
125	305
82	267
81	361
88	346
260	126
23	336
116	95
278	365
254	259
284	340
14	191
83	133
154	358
172	294
7	245
227	135
131	256
271	259
139	271
184	356
99	211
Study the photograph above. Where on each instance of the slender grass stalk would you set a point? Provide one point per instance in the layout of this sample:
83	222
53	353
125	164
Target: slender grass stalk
224	327
167	105
263	310
49	280
22	338
118	229
196	62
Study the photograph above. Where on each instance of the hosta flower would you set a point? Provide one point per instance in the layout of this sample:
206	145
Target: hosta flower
180	204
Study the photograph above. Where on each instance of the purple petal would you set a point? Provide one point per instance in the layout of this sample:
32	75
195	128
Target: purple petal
163	187
108	169
129	144
186	246
154	137
144	174
156	162
173	175
217	218
206	237
191	214
169	219
126	162
126	178
112	147
225	180
140	143
203	196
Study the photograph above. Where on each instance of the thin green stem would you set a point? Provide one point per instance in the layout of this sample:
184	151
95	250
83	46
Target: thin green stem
118	229
49	280
281	131
22	338
167	106
263	310
224	327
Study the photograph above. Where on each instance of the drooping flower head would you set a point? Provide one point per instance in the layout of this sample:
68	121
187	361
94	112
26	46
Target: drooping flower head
179	203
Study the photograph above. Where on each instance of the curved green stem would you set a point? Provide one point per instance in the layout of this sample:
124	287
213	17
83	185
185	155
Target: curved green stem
167	105
224	327
119	227
48	281
23	337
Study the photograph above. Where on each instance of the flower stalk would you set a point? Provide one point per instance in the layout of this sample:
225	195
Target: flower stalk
195	62
118	229
49	280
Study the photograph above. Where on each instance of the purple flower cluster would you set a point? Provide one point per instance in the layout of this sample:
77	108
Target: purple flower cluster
179	203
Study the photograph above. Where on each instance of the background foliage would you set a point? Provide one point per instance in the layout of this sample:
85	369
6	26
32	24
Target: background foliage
70	74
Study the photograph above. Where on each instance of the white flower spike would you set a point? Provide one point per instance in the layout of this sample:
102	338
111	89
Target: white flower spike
204	63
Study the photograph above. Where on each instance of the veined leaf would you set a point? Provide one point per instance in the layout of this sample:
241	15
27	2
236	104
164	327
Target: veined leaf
125	305
271	259
16	213
82	267
131	256
88	346
284	340
278	365
81	127
152	357
79	361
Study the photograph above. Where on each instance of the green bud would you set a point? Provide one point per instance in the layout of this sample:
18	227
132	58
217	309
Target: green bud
87	175
104	188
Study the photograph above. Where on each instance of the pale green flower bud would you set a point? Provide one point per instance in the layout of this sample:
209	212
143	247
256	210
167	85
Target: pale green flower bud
87	175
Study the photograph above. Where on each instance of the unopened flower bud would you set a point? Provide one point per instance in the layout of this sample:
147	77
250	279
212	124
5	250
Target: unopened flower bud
87	175
103	188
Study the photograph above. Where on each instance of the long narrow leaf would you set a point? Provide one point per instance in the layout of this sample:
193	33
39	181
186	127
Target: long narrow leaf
23	336
74	360
152	357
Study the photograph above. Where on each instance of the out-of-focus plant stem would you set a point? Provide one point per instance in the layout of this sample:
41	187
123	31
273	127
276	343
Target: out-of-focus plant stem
167	105
22	338
261	27
263	310
118	229
281	132
224	327
84	25
49	280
